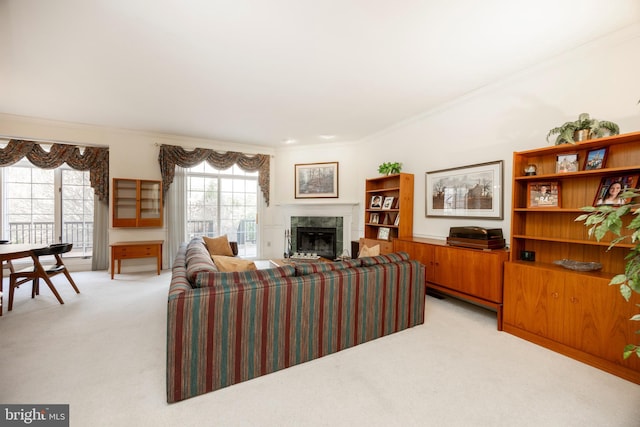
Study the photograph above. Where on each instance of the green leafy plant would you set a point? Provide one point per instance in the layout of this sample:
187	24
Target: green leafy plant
597	129
390	168
603	219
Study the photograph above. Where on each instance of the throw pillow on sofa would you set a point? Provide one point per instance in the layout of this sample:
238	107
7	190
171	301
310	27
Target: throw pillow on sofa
385	259
369	251
227	263
218	245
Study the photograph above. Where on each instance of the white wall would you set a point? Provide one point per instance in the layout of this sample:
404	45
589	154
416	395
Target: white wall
601	78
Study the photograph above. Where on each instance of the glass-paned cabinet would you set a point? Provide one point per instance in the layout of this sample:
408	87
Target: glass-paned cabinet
137	203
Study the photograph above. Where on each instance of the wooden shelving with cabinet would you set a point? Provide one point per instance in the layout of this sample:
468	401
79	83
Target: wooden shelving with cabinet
396	220
575	313
137	203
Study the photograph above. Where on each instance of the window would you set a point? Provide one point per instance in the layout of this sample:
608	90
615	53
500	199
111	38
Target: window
223	202
47	206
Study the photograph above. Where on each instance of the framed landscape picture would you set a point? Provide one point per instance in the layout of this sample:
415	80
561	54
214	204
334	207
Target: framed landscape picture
316	180
473	191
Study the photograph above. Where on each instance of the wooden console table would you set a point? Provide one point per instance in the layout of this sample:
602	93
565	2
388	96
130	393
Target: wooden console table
130	250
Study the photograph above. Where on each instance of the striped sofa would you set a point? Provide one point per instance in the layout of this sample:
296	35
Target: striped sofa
224	328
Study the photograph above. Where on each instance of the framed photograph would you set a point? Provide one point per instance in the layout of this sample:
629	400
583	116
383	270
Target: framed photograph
374	218
468	192
388	203
543	194
396	221
376	202
595	159
383	233
567	163
316	180
611	187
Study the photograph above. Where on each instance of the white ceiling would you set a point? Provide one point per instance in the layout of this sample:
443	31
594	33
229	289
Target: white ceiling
262	71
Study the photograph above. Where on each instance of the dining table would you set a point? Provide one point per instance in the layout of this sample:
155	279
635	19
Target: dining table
11	251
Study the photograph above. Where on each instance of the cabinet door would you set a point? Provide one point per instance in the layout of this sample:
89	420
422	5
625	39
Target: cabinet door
125	195
480	273
150	204
598	319
447	271
533	300
420	252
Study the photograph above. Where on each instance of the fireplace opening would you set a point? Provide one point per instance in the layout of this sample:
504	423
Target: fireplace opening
319	240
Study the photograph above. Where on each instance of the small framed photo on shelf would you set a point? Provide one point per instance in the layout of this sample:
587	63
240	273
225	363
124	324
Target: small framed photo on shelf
376	202
374	218
567	163
612	187
543	194
595	159
396	221
383	233
388	202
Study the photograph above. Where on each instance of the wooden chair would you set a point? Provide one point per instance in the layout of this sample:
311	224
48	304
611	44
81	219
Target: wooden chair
38	271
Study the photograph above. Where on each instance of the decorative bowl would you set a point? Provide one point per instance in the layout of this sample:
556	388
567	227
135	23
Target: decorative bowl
578	265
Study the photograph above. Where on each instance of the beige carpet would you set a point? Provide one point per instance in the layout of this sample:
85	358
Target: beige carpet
103	352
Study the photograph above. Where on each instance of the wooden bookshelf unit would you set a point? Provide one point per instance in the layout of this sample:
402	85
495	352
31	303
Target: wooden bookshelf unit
572	312
384	223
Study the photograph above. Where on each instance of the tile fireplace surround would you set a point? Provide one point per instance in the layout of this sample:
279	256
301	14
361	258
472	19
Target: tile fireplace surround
336	222
338	215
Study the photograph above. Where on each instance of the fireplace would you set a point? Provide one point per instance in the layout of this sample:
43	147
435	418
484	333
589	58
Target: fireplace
322	235
318	240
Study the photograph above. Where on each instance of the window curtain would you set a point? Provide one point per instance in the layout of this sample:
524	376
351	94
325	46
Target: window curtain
176	214
93	159
172	156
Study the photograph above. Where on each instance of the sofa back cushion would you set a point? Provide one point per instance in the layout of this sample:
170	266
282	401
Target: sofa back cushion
303	268
206	279
198	259
384	259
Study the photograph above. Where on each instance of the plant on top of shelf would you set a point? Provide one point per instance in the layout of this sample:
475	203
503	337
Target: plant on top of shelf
582	129
390	168
605	218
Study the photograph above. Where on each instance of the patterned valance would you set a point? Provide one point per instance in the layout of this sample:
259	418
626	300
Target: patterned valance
171	155
93	159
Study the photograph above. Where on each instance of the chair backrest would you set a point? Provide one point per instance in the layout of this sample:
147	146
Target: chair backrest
55	249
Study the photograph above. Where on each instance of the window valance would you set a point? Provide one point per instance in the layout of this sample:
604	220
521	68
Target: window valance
171	155
93	159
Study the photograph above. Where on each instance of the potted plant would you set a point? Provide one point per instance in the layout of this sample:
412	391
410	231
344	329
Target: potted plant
605	218
390	168
582	129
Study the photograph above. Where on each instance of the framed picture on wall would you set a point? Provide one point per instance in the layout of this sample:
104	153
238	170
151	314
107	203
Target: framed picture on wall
473	191
316	180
